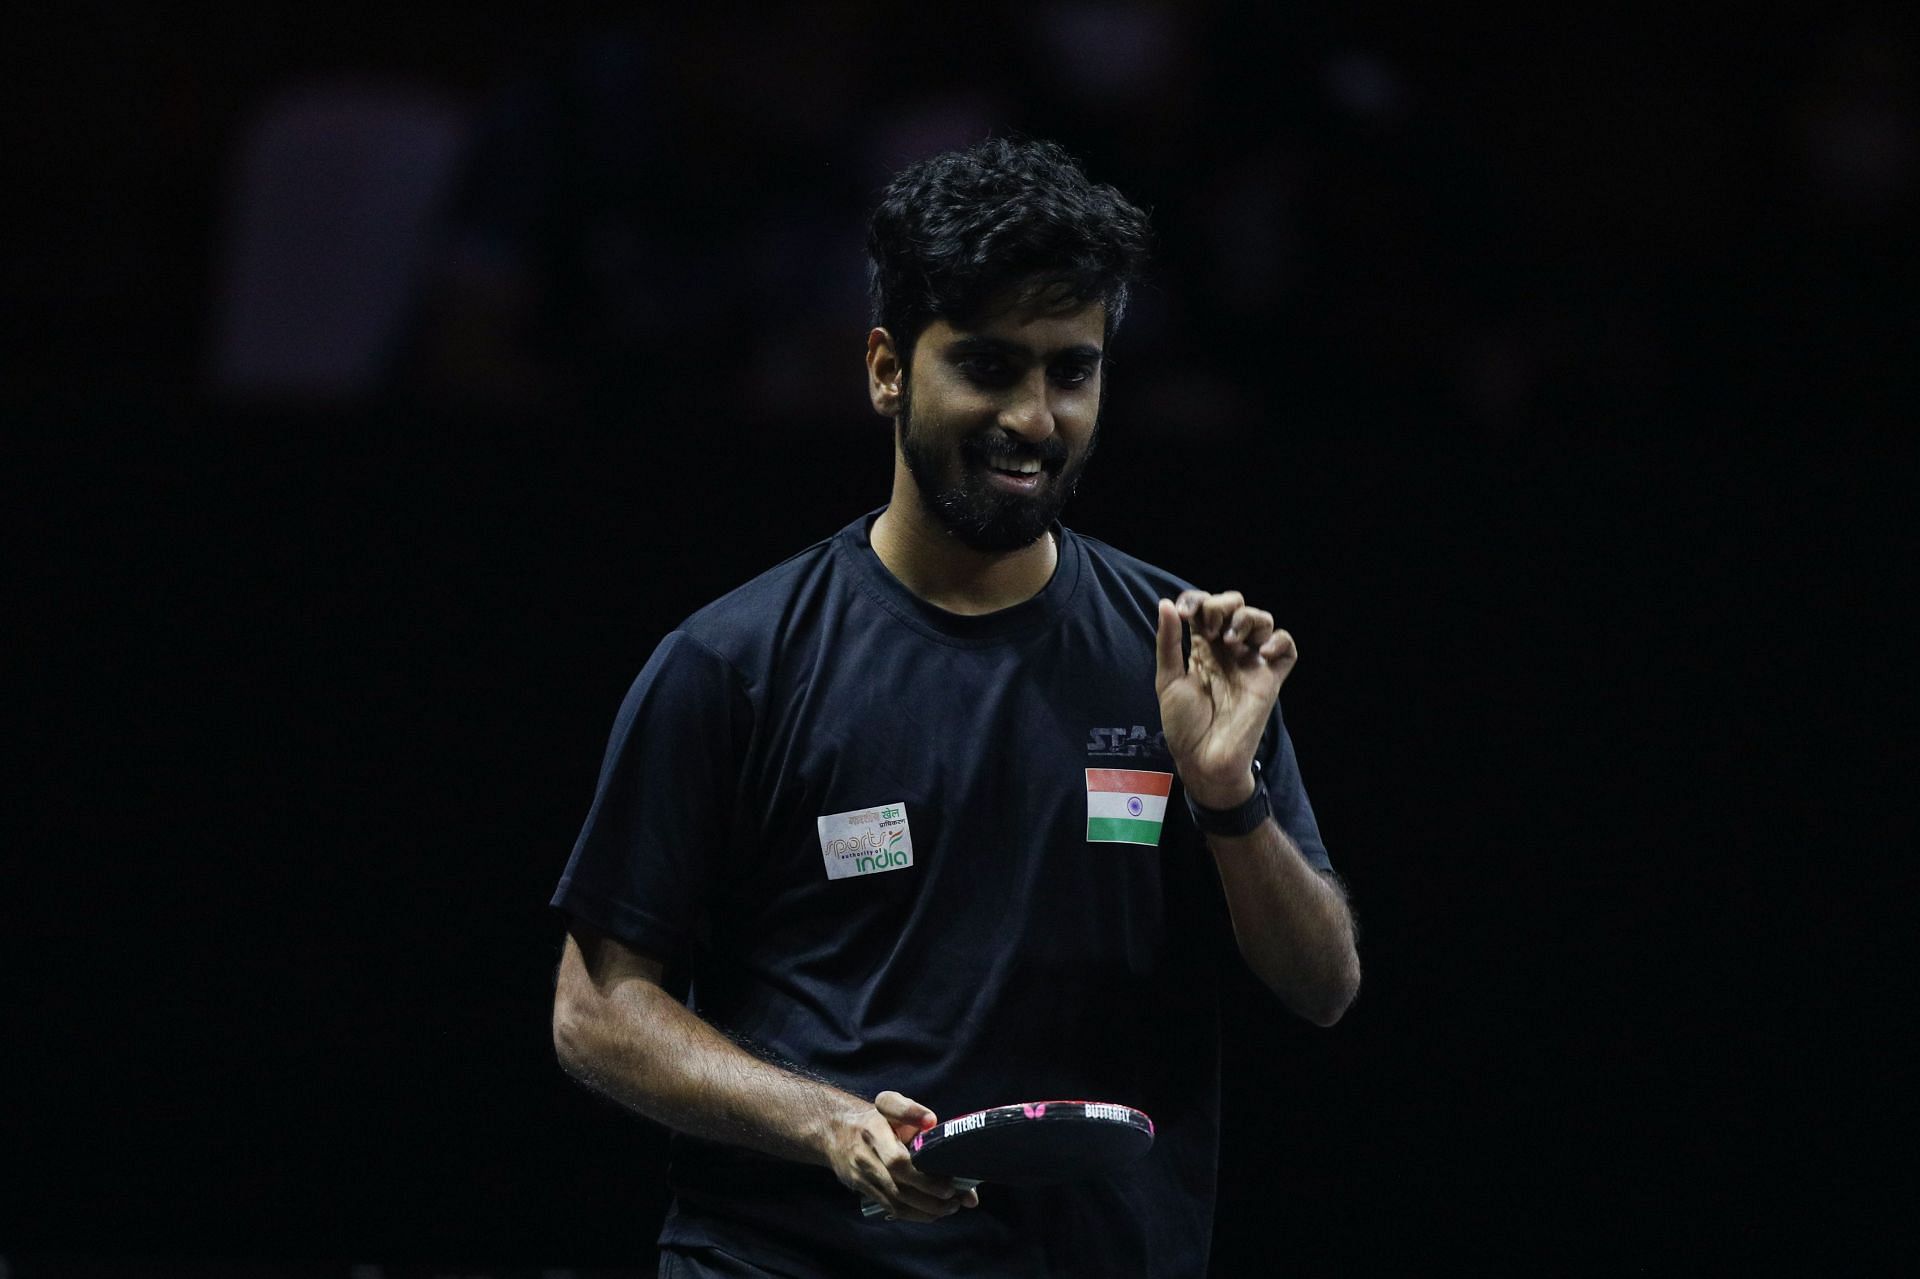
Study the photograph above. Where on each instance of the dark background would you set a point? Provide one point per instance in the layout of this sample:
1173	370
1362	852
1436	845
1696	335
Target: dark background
379	393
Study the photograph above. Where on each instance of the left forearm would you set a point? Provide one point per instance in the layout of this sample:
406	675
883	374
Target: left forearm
1291	921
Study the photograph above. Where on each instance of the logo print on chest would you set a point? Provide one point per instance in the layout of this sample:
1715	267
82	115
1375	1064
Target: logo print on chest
866	841
1126	743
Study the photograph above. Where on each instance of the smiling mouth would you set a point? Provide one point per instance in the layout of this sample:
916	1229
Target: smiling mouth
1009	479
1012	468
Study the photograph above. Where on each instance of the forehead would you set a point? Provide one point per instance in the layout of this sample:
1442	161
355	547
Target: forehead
1039	331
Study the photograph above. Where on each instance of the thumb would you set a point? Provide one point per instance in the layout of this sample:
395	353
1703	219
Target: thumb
1167	666
905	1114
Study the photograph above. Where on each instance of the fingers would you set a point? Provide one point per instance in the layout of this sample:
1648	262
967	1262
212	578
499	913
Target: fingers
908	1117
1208	614
1280	651
936	1196
902	1109
1167	665
883	1171
888	1174
1227	622
1248	628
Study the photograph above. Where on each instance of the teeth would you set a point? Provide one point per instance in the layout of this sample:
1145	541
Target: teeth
1026	466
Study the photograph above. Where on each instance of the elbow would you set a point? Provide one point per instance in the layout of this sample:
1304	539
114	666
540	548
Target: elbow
1328	1015
1337	995
1316	989
1325	1000
571	1034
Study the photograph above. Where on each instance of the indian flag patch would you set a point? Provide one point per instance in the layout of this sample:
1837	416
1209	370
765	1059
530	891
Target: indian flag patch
1126	807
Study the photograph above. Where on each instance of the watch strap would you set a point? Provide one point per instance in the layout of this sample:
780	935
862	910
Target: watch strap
1243	819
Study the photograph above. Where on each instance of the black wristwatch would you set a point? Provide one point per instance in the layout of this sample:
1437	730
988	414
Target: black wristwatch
1245	819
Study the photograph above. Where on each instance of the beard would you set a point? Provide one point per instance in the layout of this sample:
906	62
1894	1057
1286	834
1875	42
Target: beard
955	487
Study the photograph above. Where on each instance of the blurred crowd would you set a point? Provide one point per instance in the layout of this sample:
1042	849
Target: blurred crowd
1385	226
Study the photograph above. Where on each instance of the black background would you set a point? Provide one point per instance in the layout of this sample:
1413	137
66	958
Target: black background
1555	396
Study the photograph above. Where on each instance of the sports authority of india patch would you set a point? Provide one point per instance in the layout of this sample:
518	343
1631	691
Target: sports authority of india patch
866	841
1125	806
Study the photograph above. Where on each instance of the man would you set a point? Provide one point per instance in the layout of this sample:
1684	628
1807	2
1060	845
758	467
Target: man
876	802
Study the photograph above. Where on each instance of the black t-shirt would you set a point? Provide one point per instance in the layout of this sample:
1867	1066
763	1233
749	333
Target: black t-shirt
891	846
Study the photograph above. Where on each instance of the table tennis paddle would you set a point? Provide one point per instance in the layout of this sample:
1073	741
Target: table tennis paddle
1034	1143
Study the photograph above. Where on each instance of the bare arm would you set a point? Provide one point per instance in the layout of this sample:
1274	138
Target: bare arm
1291	921
619	1033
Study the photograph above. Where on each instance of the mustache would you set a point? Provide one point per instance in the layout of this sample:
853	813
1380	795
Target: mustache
994	447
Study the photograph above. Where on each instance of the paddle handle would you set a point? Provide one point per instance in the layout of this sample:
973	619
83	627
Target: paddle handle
873	1207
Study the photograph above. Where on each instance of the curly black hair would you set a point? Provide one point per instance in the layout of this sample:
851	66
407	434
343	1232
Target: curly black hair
953	234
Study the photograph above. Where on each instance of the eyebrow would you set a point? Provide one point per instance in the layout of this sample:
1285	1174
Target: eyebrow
1080	352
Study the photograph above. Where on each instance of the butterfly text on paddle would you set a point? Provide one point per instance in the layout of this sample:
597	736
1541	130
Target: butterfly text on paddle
966	1123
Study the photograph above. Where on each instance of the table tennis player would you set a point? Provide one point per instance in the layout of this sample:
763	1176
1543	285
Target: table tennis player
955	808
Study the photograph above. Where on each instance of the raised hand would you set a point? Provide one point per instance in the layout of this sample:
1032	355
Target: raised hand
1214	704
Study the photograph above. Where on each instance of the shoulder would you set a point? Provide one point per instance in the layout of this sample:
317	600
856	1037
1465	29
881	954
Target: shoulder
1120	575
743	626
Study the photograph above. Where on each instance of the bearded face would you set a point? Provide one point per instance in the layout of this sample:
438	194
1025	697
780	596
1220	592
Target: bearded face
997	422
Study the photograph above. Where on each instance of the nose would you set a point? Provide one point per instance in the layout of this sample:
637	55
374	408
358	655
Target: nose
1028	411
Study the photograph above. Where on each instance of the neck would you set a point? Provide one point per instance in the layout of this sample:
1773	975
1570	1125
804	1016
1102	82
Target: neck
942	570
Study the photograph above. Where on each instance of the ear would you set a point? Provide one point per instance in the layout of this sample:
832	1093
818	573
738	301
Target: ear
885	373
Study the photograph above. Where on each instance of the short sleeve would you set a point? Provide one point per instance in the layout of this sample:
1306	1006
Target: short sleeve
642	869
1289	795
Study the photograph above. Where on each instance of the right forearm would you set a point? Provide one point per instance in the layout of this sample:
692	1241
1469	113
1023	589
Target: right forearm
645	1050
617	1031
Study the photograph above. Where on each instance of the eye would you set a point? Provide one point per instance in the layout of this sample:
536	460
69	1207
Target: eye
1076	374
985	370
